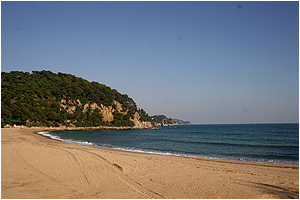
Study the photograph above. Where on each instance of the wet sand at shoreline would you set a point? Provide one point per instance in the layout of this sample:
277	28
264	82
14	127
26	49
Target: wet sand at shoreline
33	166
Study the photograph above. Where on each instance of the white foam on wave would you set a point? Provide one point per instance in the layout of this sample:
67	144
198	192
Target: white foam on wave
47	134
54	137
85	143
151	151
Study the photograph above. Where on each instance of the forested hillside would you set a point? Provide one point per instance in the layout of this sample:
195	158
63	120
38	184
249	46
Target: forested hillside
43	98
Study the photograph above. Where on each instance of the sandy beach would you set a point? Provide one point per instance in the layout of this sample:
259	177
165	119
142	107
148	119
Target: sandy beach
33	166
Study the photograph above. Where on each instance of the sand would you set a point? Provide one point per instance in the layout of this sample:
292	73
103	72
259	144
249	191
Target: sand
33	166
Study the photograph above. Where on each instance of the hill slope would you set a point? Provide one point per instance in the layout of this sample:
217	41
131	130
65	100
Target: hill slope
43	98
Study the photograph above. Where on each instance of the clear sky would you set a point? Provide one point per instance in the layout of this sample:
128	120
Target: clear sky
206	62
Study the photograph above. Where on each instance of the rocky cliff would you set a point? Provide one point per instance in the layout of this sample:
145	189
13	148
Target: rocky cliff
140	124
107	112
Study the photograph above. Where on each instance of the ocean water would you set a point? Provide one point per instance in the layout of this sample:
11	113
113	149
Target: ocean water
264	143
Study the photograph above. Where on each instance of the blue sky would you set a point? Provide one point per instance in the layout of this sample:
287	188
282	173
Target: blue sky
206	62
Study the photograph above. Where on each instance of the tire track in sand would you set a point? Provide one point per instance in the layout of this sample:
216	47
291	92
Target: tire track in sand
83	178
30	167
34	170
117	171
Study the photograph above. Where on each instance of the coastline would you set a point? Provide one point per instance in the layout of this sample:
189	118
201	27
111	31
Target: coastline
34	166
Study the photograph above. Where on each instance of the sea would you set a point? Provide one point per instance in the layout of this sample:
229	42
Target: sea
261	143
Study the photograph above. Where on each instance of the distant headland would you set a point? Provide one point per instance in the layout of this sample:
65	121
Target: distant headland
162	120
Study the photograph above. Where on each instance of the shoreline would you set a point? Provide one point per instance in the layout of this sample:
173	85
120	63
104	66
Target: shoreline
35	166
166	154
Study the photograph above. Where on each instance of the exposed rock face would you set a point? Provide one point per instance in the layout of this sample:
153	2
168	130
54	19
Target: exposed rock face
85	107
106	111
63	101
94	106
79	103
140	124
157	124
69	109
120	108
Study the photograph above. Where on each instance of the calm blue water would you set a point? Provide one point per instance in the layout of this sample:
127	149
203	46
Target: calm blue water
267	143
